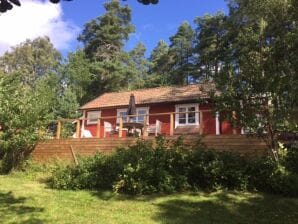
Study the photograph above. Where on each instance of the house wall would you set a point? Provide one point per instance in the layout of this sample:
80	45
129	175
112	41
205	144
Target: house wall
209	120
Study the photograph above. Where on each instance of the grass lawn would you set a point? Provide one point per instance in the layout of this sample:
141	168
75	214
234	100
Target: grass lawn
27	201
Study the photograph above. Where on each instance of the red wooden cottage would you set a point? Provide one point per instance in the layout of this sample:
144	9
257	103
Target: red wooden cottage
161	110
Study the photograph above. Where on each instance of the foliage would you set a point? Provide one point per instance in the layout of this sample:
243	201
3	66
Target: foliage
31	59
31	95
208	46
291	158
258	74
146	168
181	51
23	115
78	76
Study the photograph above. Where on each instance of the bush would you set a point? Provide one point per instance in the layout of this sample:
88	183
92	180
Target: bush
146	168
291	159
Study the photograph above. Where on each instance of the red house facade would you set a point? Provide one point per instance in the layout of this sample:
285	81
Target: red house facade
161	110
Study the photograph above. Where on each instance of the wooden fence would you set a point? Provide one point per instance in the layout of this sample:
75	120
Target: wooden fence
69	148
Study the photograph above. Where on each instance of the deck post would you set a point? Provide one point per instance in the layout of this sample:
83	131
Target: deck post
171	124
234	128
98	128
58	133
217	123
78	129
120	127
201	130
146	122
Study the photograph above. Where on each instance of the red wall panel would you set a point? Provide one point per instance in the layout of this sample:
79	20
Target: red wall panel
209	120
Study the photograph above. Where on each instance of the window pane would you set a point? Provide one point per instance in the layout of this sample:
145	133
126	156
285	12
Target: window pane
182	120
123	114
191	109
191	118
142	112
182	117
93	116
182	109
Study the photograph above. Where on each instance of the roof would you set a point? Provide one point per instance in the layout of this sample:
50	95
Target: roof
151	95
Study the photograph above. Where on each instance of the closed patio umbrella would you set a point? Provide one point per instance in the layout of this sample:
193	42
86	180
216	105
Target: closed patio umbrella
132	106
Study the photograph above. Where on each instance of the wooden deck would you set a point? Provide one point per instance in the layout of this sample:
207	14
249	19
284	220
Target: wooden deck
64	148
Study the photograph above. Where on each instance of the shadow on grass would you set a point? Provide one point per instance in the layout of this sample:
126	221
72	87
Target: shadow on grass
228	208
13	210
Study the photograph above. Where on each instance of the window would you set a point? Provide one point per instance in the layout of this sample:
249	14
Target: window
141	113
187	115
92	117
121	113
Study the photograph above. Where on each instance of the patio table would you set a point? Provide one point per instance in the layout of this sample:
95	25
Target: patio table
134	126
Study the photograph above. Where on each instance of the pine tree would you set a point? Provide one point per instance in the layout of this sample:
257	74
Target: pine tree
181	49
140	65
104	39
159	65
105	36
208	48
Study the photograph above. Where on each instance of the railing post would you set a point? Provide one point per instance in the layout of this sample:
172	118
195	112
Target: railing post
120	127
217	123
146	122
78	134
234	128
98	128
171	124
58	134
201	130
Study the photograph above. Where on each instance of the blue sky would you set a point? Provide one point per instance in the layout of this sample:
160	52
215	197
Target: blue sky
153	23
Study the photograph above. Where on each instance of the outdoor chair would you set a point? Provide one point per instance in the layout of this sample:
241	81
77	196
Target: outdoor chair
84	134
155	128
108	128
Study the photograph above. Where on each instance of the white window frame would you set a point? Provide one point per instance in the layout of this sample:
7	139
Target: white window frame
137	111
95	113
196	105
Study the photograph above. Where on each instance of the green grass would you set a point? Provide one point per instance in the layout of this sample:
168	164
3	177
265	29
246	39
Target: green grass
24	200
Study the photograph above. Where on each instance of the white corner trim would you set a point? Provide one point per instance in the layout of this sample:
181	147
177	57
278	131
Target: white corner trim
217	123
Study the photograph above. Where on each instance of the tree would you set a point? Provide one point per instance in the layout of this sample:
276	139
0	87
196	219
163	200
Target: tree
208	47
139	65
159	65
104	39
24	114
32	93
181	49
77	75
32	59
258	80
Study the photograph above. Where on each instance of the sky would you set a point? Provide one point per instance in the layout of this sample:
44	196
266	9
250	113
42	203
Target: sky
64	22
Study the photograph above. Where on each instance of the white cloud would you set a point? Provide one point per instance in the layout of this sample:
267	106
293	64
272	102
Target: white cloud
34	19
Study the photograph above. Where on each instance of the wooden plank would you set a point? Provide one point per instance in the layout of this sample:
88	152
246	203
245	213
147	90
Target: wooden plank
201	128
58	134
74	155
60	148
78	134
98	128
171	124
120	127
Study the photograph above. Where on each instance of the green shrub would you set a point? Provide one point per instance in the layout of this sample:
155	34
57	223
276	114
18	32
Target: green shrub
291	159
146	168
152	169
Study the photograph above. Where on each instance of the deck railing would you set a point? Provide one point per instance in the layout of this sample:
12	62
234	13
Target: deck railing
120	118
